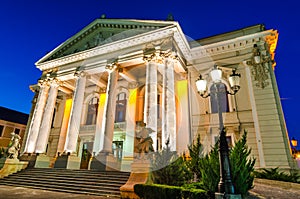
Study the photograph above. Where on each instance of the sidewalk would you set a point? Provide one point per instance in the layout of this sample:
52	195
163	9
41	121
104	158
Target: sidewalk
10	192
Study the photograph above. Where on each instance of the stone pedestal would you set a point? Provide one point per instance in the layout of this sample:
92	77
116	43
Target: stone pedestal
10	166
30	158
227	196
42	161
67	162
104	162
139	175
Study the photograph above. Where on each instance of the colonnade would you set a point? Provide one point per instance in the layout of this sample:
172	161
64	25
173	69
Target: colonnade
40	126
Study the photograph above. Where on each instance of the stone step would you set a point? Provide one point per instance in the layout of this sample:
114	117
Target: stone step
108	185
77	190
93	182
75	180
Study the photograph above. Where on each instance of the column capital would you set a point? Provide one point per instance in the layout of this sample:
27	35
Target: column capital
111	67
160	56
79	73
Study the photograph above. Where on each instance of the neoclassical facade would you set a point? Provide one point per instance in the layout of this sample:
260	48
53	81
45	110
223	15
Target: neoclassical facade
99	88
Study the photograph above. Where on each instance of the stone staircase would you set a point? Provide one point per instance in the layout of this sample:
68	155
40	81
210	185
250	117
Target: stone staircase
90	182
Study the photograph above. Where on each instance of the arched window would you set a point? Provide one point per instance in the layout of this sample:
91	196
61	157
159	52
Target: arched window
223	98
92	111
120	107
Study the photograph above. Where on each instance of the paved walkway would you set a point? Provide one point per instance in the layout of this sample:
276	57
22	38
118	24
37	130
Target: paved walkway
10	192
259	191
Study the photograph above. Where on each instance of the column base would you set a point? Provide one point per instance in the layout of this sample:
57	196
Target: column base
30	158
227	196
42	161
67	162
104	162
139	175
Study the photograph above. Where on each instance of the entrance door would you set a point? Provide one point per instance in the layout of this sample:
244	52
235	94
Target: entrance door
86	155
118	149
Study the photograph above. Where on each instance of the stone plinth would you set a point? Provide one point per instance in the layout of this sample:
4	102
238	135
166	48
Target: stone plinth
10	166
139	175
30	158
67	162
227	196
42	161
104	162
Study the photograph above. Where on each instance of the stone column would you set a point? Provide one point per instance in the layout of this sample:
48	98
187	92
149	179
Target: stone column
97	147
37	117
74	122
45	128
169	105
150	108
109	112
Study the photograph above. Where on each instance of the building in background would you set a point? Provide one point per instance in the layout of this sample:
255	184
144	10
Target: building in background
11	121
99	88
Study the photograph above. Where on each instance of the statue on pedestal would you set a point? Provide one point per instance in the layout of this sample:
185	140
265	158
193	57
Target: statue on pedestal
144	146
14	146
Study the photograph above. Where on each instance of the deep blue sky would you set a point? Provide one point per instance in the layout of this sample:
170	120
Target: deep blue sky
31	28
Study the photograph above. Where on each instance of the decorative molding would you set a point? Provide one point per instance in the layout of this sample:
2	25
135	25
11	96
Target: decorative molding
110	47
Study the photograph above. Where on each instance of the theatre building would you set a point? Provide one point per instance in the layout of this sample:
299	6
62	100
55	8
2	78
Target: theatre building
99	88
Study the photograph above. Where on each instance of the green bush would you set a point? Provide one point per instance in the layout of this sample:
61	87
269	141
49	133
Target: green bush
196	153
169	168
156	191
275	174
210	170
242	166
207	167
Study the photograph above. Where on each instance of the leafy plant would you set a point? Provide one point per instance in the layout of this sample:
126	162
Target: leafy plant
276	174
242	166
210	170
195	151
169	168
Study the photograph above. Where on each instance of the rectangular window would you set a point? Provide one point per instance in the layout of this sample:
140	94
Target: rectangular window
1	130
17	131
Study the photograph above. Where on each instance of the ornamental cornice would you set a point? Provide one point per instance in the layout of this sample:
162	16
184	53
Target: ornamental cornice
116	46
236	44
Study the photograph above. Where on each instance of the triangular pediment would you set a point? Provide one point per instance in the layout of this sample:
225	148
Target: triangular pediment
101	32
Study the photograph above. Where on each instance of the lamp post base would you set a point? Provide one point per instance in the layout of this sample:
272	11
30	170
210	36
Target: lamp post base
227	196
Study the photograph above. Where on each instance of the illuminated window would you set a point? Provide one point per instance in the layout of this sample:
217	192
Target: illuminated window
120	107
223	99
92	111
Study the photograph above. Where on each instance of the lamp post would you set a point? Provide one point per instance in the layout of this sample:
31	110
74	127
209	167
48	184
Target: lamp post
294	144
225	186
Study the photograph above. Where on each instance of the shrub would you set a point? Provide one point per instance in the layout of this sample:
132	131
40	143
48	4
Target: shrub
210	170
242	166
169	168
275	174
195	151
155	191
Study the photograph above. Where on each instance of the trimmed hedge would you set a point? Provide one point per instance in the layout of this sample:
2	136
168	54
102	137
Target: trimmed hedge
157	191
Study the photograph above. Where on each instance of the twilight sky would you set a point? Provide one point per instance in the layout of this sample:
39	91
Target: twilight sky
31	28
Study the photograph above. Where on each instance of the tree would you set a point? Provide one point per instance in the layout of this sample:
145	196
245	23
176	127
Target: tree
169	168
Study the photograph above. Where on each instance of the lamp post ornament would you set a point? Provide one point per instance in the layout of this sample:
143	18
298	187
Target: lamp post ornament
225	186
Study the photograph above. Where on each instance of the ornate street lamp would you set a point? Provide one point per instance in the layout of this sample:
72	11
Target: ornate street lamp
225	187
294	144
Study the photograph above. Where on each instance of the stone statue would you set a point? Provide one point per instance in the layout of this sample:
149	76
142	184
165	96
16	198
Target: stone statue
145	142
14	146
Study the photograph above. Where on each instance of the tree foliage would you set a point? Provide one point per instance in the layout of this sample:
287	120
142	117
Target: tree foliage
169	168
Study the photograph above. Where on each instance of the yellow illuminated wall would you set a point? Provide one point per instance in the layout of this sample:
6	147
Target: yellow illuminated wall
64	126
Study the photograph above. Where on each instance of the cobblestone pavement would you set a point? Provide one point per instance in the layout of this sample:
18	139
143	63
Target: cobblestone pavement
10	192
258	192
271	192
